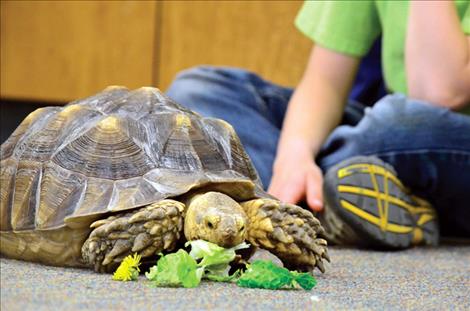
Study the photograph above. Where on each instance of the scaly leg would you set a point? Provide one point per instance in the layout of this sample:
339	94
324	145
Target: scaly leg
147	230
288	231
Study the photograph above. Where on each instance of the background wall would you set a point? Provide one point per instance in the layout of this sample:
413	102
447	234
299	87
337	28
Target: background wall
55	51
58	51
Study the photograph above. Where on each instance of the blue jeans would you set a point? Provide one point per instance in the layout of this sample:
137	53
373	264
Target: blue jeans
428	146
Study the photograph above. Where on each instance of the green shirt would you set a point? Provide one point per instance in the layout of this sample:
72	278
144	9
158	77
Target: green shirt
351	27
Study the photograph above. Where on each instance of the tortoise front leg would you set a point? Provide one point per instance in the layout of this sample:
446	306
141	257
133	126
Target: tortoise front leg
288	231
147	231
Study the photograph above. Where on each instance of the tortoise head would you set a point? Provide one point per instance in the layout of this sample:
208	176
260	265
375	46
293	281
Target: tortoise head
215	217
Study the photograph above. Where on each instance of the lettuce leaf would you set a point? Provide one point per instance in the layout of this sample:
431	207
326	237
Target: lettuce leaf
213	254
210	261
182	269
223	278
177	269
265	274
304	280
215	260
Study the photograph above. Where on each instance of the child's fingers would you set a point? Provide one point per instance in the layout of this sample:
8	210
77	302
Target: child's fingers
314	191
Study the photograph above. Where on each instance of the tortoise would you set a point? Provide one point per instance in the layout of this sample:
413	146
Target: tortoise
123	171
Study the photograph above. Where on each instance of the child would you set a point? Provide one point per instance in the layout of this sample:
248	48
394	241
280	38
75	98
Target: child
418	136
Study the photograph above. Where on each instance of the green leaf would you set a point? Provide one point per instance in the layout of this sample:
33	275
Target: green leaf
213	254
221	270
222	278
305	280
215	260
152	274
265	274
177	269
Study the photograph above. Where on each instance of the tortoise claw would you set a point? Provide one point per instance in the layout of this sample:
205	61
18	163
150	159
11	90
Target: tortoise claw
326	256
101	222
141	241
320	265
120	247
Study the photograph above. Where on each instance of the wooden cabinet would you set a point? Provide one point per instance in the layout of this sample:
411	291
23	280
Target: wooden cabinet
63	50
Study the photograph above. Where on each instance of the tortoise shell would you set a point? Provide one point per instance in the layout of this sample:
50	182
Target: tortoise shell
114	151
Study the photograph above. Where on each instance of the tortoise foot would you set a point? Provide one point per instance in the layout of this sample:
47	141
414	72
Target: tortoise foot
146	231
288	231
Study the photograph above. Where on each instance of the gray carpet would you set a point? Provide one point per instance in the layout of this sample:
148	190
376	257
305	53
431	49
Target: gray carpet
421	279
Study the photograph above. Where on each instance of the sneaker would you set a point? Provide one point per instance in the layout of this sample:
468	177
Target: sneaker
366	204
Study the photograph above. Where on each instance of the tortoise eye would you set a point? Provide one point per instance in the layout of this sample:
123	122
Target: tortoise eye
241	228
210	223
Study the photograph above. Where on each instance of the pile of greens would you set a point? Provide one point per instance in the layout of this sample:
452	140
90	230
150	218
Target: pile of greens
210	261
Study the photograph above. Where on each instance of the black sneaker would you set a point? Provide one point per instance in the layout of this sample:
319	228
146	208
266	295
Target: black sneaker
366	204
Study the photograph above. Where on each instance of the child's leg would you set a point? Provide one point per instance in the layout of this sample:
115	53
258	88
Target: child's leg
428	146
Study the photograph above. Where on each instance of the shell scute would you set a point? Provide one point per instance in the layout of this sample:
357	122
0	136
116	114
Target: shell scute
24	205
9	145
41	144
7	181
109	150
59	196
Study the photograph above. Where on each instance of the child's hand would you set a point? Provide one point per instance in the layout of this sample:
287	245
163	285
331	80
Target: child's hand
297	177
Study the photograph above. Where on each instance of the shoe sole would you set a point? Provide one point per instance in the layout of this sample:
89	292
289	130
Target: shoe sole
365	193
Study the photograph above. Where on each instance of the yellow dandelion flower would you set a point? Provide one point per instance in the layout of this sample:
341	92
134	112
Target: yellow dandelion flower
128	269
133	261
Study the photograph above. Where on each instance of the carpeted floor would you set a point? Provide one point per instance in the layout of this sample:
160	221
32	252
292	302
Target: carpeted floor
421	279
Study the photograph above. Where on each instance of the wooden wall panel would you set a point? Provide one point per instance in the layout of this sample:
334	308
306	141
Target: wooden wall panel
256	35
62	50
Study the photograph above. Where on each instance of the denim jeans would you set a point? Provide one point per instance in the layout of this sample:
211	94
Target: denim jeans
428	146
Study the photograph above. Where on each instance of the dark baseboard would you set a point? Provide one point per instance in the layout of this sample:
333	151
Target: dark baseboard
12	112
